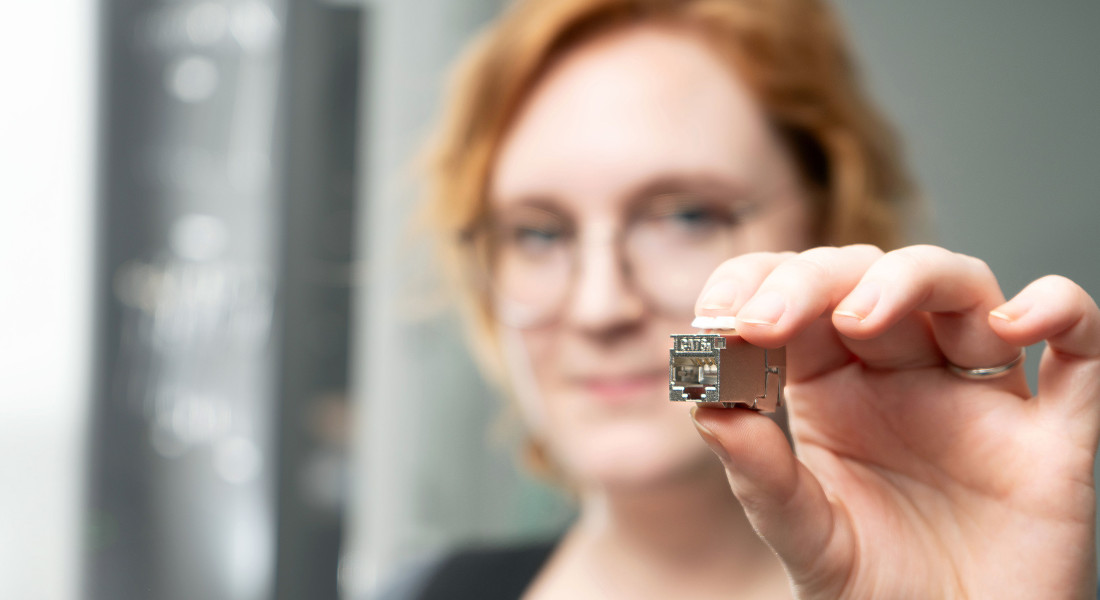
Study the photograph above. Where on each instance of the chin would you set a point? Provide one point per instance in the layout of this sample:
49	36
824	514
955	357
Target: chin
634	455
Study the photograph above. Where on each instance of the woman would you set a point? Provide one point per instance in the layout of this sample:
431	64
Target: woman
610	169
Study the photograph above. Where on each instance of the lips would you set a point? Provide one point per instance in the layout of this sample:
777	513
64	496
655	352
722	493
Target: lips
623	388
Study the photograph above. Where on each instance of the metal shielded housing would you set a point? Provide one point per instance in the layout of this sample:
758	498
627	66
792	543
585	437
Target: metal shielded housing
724	370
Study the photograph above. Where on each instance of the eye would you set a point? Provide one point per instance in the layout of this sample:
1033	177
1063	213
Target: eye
698	217
536	238
532	234
691	214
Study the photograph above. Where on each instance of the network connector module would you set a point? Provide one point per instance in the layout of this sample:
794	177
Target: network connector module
721	369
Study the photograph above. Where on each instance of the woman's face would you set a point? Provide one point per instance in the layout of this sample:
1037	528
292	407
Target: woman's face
637	164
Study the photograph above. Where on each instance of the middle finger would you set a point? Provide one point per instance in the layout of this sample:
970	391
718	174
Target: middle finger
955	291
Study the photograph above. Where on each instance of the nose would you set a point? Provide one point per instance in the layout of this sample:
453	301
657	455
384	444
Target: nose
603	300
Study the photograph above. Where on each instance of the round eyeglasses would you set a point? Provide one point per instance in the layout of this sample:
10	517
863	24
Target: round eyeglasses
526	257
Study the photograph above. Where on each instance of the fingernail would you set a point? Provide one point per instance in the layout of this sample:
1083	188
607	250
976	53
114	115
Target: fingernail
716	322
709	437
860	303
848	313
719	296
763	309
1010	311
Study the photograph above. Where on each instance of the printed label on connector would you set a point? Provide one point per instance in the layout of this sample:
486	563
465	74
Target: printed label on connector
699	344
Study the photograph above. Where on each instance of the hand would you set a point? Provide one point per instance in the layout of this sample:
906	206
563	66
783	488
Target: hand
909	481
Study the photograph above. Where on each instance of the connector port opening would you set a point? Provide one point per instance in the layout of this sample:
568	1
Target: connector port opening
695	375
695	392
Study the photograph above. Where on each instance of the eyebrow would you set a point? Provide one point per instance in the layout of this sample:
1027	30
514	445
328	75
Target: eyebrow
705	184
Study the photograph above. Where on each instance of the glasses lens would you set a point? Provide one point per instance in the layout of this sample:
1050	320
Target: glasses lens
670	247
526	258
677	241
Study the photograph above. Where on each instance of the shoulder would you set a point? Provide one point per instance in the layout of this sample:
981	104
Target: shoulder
481	572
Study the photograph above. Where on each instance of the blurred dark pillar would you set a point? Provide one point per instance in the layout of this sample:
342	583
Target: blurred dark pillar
227	138
322	87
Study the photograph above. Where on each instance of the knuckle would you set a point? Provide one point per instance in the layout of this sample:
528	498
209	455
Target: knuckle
979	268
1063	289
826	258
912	258
749	260
863	249
927	252
1057	282
814	264
730	266
926	259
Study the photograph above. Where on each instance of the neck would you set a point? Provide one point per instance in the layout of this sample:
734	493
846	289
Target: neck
690	522
686	537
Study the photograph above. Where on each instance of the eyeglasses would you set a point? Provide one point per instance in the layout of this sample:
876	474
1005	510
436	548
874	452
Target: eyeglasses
527	257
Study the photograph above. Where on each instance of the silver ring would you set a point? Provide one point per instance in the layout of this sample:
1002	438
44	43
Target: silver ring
984	373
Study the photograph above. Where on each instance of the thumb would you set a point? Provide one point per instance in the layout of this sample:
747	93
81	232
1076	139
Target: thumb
784	501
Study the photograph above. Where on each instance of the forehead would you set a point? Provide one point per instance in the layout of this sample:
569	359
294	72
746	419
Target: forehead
626	108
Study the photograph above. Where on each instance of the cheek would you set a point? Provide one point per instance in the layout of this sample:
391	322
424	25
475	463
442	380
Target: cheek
529	361
537	350
630	449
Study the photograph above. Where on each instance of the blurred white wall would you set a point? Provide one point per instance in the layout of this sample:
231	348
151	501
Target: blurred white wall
47	72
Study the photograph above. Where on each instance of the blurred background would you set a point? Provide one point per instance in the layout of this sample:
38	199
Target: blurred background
226	370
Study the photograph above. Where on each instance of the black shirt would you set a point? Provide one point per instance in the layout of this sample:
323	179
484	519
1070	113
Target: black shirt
485	573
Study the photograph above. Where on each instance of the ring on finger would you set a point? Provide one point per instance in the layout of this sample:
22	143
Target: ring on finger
985	373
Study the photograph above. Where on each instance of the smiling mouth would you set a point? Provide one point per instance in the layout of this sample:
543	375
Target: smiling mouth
620	389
